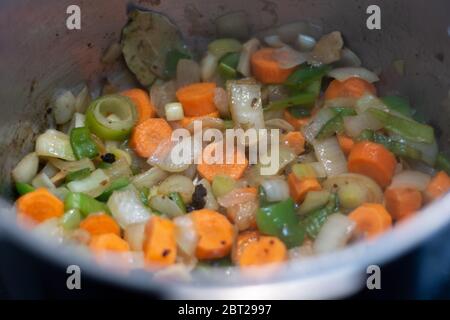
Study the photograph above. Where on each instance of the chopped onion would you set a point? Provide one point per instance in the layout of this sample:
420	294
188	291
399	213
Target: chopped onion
119	169
245	104
149	178
314	200
334	234
330	154
50	230
207	123
163	158
60	192
54	144
72	166
411	179
235	197
208	66
340	102
162	94
343	74
370	101
165	205
64	107
372	190
274	41
349	59
233	25
428	151
288	58
186	235
188	72
127	208
42	181
210	200
290	31
93	185
243	215
83	100
221	102
26	169
174	111
356	124
279	124
134	234
312	129
78	121
178	183
250	47
276	189
305	43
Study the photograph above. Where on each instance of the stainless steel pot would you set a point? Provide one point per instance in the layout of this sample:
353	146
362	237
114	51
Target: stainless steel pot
39	54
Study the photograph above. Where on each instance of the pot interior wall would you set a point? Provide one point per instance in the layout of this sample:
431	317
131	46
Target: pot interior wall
39	55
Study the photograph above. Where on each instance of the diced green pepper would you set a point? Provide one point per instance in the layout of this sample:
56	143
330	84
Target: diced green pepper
84	203
333	126
228	64
280	220
408	129
302	99
117	184
443	163
398	104
82	144
24	188
305	75
313	222
299	112
176	197
172	59
71	219
78	175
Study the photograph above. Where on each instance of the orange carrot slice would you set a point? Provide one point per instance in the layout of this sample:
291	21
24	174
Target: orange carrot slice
197	99
295	141
97	224
39	205
371	219
266	69
346	143
401	203
108	242
147	136
264	250
141	100
438	186
160	247
350	88
300	187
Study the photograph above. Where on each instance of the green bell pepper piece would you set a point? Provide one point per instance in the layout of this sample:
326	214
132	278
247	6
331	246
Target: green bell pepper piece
335	124
117	184
82	144
84	203
280	220
408	129
398	104
306	75
302	99
71	219
172	59
299	112
24	188
78	175
228	64
176	197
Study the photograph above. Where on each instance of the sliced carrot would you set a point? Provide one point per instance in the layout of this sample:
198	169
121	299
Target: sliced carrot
266	69
371	219
234	170
373	160
141	100
297	123
39	205
197	99
97	224
261	251
350	88
186	121
294	140
108	242
401	203
147	135
346	143
160	246
242	240
215	234
438	186
300	187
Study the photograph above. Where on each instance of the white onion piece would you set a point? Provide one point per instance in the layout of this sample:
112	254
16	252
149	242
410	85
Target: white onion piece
276	189
372	189
83	100
53	143
26	169
165	205
64	107
178	183
149	178
174	111
186	235
318	169
78	121
188	72
93	185
233	25
210	200
370	101
349	59
343	74
279	124
208	66
72	166
120	168
340	102
127	208
250	47
305	43
162	157
428	151
42	181
274	41
162	94
207	123
50	230
235	197
312	129
411	179
134	234
221	102
288	58
289	32
330	154
334	234
356	124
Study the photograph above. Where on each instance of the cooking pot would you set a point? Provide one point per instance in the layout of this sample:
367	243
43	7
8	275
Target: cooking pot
38	54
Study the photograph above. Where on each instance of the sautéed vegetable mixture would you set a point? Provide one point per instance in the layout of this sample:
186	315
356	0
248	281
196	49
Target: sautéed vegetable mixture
352	163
